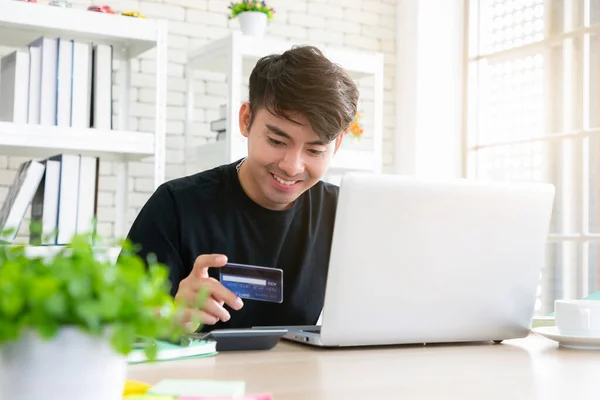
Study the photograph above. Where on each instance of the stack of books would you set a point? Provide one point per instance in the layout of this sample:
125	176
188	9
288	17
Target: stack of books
62	192
57	82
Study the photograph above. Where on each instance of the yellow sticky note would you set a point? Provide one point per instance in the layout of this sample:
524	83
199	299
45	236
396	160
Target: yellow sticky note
148	397
134	387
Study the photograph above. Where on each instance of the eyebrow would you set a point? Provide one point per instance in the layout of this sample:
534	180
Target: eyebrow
275	130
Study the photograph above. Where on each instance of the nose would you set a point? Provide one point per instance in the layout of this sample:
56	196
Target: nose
292	163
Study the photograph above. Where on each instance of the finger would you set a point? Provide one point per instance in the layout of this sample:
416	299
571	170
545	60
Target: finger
221	302
193	293
206	261
192	315
222	294
213	307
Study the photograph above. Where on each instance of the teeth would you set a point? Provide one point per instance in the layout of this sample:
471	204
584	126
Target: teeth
287	183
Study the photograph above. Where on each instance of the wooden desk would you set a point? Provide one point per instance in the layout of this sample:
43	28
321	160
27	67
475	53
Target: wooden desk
531	368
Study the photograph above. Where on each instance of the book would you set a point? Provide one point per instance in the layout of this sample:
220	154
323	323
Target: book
81	88
68	197
101	112
46	91
88	193
171	351
20	195
64	80
14	87
44	206
546	320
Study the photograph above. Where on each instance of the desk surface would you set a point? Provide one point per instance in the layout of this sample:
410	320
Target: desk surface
531	368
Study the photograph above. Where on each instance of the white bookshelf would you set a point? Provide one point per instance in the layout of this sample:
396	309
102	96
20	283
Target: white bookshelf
21	23
235	55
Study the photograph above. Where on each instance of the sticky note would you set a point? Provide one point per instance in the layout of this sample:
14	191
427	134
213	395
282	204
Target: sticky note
262	396
135	387
148	397
197	387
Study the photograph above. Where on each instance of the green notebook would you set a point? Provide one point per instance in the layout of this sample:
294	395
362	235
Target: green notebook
170	351
198	387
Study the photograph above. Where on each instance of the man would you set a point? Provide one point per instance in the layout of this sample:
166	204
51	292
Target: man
270	209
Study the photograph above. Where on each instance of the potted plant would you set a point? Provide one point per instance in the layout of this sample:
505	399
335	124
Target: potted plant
70	317
253	16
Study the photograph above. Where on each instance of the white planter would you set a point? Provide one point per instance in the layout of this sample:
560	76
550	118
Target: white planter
71	366
253	23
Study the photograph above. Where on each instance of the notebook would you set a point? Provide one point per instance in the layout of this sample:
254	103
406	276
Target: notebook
170	351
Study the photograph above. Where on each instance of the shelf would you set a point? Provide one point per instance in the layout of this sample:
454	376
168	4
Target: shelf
49	251
214	56
21	23
213	154
44	141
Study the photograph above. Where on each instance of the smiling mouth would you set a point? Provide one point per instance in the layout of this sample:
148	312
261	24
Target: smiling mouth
283	181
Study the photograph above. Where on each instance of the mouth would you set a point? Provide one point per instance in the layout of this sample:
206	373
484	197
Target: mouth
283	184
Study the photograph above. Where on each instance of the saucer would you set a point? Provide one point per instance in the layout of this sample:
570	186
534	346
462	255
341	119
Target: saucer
567	341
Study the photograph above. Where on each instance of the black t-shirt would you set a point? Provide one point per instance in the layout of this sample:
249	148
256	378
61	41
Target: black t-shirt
209	212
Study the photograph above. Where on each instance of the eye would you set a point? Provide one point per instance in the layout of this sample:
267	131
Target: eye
315	152
275	142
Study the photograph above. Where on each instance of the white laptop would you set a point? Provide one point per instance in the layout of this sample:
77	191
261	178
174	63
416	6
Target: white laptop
425	261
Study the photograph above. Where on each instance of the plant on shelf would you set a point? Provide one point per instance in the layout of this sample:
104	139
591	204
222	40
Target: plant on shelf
355	129
248	5
70	317
253	16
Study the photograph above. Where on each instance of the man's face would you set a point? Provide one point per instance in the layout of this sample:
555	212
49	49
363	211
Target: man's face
284	158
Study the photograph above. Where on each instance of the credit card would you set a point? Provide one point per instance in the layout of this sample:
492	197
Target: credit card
253	282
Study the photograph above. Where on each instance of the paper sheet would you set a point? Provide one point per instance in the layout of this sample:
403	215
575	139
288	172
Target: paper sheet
198	388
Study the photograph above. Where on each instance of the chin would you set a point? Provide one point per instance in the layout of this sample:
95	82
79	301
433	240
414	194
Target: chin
282	199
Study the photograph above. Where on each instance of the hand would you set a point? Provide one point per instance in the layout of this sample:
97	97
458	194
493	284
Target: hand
212	310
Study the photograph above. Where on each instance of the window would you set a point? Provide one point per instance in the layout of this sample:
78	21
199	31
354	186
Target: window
533	115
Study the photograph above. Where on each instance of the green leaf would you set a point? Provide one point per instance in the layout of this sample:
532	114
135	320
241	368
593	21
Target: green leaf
47	328
56	305
11	301
88	312
123	338
151	350
79	287
8	331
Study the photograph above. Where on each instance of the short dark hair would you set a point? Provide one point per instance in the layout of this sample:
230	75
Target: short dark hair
302	80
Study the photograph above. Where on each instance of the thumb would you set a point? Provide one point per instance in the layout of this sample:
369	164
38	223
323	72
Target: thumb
206	261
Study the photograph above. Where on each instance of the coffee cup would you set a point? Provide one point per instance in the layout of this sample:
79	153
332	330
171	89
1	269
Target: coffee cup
577	317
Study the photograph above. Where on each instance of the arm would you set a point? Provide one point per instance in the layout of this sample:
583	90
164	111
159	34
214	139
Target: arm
156	231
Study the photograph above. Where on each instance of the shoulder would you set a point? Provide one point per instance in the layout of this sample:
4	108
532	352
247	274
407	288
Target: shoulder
200	186
325	193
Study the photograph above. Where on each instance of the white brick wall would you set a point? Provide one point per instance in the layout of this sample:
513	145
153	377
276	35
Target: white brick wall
356	24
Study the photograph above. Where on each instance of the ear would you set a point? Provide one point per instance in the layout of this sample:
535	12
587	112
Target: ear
244	119
338	142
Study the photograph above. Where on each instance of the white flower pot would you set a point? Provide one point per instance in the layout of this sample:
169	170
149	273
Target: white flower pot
253	23
71	366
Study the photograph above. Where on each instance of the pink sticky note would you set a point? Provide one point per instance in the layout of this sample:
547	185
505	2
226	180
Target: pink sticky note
261	396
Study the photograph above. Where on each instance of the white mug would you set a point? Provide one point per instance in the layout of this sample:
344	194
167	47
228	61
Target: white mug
577	317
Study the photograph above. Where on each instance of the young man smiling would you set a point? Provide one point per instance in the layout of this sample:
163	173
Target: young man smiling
270	209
